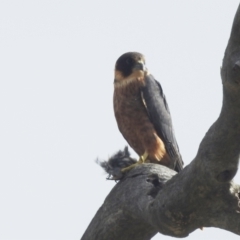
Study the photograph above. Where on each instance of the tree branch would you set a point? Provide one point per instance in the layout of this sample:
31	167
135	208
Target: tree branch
152	198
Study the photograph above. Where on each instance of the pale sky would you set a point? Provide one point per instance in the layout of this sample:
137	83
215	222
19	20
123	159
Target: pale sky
56	86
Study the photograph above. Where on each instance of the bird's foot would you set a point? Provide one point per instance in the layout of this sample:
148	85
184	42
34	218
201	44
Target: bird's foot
126	169
141	160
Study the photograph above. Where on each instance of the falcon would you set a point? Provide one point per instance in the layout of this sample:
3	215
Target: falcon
142	113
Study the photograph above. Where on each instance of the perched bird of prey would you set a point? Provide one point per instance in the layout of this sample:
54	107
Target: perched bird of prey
142	113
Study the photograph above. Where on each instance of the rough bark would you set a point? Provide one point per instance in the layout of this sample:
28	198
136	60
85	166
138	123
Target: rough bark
152	198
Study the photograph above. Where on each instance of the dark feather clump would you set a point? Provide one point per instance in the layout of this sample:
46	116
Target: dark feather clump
118	161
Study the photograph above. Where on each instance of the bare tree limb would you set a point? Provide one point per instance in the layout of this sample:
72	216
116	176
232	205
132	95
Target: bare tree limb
152	198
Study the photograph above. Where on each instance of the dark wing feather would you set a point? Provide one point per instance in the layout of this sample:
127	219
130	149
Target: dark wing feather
159	114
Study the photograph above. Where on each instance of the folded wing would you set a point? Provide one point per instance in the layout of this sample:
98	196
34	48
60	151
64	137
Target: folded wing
159	114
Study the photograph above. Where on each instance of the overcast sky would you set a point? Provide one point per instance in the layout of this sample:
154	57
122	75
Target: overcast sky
56	86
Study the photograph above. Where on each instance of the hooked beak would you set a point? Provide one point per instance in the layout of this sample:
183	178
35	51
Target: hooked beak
140	66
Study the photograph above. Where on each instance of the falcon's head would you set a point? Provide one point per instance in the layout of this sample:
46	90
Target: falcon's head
129	66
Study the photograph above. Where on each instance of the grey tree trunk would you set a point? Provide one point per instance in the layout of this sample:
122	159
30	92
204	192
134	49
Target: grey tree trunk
152	198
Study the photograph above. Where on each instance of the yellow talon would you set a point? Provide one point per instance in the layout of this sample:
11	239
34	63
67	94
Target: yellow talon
130	167
141	160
